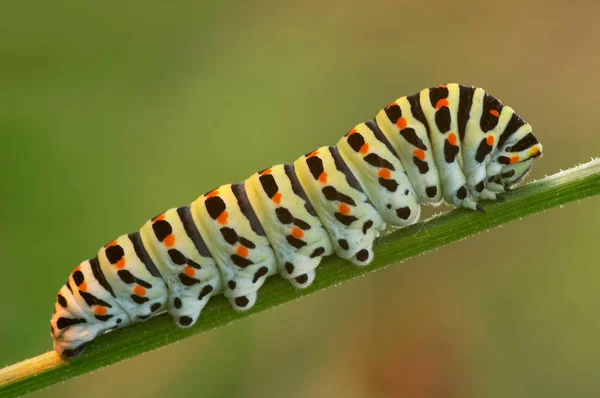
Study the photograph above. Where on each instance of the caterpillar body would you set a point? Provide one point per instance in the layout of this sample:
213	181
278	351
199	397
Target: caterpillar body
452	142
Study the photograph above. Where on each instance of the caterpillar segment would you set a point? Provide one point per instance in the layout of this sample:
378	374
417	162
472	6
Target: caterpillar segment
452	142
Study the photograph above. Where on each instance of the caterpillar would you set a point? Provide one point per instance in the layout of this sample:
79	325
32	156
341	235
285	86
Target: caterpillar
451	143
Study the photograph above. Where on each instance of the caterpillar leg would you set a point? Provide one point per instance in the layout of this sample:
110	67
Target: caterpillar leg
290	222
338	198
188	269
237	242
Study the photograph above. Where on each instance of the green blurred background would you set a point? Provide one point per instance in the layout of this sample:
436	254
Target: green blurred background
112	112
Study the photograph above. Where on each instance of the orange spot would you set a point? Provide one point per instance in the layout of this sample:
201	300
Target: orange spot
242	251
401	123
139	290
78	268
267	171
169	240
83	287
514	159
297	233
222	219
533	151
323	177
111	244
315	153
161	217
344	209
385	173
121	263
390	105
352	132
452	138
442	86
277	198
212	193
442	103
490	140
419	153
364	149
494	112
189	271
100	310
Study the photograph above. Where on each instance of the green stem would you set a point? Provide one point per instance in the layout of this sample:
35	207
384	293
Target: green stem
392	247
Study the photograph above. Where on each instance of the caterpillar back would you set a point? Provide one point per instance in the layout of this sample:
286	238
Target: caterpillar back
452	142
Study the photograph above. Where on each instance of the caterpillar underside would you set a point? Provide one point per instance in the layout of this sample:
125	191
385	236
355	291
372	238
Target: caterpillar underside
452	142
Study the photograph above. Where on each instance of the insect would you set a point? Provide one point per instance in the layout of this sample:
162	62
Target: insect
452	142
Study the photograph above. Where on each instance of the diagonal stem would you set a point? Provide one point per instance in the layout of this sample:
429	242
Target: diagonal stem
392	247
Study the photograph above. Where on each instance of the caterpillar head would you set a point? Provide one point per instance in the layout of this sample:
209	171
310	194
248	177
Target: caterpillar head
513	160
73	323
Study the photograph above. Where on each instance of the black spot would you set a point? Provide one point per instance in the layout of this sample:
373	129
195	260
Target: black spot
362	255
410	135
92	300
162	229
482	150
406	192
177	302
138	299
126	276
391	184
489	121
301	224
269	185
229	235
240	261
377	161
262	271
193	264
185	321
526	142
315	165
344	219
464	109
403	212
103	318
248	243
421	164
436	94
119	320
442	119
187	281
66	322
205	291
389	206
177	257
283	215
155	307
343	243
293	241
318	252
356	141
393	112
480	186
431	191
242	301
215	206
231	284
78	277
367	225
114	253
461	193
289	267
62	301
508	174
302	279
450	151
503	160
